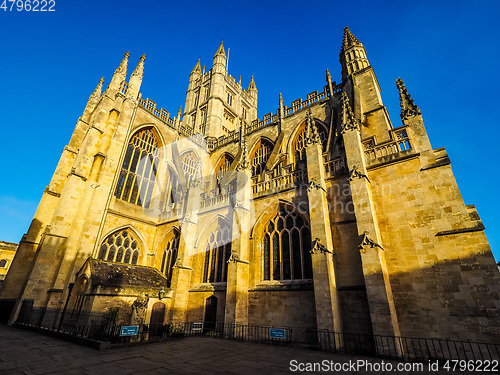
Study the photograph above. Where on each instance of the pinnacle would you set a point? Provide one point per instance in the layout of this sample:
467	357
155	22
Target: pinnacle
221	51
252	86
349	39
408	106
197	67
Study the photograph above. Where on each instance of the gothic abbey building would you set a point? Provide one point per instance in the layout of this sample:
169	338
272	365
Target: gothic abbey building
323	215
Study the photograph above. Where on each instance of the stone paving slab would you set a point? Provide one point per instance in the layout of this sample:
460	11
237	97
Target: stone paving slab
31	353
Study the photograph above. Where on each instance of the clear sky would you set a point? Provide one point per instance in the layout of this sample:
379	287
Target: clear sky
447	52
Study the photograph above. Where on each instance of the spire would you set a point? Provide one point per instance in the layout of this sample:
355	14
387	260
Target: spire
139	70
349	39
93	99
408	107
252	86
97	92
312	135
197	68
221	51
352	55
135	81
349	122
119	75
282	112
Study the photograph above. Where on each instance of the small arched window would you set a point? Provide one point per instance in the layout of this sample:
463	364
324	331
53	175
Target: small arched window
299	145
138	173
170	257
217	253
121	247
286	247
260	156
3	263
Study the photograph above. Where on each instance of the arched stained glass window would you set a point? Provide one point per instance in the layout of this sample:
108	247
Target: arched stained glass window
299	146
121	247
260	156
286	247
217	253
138	173
170	257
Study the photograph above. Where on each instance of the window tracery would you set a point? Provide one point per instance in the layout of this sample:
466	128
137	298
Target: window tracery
217	253
299	145
138	173
260	156
120	247
170	257
286	247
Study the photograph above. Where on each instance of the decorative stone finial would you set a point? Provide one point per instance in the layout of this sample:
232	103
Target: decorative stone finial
244	159
408	107
197	68
349	39
312	134
349	122
220	50
139	70
252	86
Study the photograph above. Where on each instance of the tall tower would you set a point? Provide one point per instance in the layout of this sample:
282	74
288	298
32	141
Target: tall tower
216	104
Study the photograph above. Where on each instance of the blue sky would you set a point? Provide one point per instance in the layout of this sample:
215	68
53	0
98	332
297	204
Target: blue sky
446	52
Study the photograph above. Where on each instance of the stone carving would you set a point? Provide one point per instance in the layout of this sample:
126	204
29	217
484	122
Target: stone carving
355	174
178	264
312	135
349	122
235	258
313	185
318	247
367	241
408	107
139	308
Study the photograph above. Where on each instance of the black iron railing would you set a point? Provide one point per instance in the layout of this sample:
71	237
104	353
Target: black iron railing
104	327
407	348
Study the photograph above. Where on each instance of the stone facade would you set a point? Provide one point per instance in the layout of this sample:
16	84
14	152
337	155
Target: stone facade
7	252
322	216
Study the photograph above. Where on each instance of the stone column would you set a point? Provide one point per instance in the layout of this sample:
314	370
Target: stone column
378	288
325	288
181	276
238	268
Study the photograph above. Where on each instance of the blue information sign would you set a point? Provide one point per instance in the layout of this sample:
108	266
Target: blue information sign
129	330
277	333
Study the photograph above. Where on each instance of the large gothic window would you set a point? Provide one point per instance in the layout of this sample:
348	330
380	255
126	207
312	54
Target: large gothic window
260	156
170	257
217	253
189	160
286	248
138	173
299	145
222	167
121	247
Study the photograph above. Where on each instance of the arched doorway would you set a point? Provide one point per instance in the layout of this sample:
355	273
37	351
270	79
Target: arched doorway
210	314
157	319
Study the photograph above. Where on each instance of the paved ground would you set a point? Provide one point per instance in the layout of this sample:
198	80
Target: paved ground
26	352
